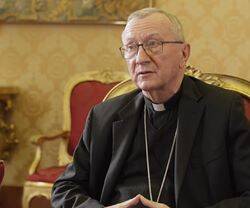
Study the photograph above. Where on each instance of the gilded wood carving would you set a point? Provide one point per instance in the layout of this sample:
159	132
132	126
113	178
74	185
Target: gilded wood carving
7	136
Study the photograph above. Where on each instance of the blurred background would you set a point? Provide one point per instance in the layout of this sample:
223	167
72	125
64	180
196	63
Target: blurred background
39	59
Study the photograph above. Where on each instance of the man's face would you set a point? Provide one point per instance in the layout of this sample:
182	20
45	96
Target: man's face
153	72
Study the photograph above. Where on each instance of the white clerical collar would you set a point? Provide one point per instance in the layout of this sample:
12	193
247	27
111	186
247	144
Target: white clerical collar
158	107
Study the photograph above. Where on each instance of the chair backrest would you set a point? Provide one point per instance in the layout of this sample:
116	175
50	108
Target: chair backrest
81	94
225	81
1	171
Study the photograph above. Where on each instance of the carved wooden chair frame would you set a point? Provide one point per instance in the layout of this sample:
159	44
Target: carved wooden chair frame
32	189
225	81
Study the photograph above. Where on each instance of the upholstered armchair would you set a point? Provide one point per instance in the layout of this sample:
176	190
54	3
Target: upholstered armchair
1	171
225	81
81	93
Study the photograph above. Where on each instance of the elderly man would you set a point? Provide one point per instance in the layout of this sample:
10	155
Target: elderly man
174	142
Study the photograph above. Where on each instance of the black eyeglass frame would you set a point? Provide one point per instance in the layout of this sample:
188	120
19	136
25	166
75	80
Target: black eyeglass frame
122	49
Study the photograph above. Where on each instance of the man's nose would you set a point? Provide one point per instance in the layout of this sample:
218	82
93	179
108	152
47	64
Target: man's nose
142	56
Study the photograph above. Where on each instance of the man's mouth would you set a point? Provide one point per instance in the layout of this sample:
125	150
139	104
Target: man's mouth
144	73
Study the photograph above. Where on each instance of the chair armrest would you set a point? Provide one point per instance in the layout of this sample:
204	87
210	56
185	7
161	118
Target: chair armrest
38	140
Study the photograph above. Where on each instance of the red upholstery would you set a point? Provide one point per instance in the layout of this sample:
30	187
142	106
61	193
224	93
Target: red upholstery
48	175
1	171
247	107
83	97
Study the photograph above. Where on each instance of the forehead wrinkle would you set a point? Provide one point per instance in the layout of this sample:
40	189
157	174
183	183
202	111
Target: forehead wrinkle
140	32
141	28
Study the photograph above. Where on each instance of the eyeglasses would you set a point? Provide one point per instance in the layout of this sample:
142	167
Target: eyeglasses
151	47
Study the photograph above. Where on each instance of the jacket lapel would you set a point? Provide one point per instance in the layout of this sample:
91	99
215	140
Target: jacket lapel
189	115
123	134
190	112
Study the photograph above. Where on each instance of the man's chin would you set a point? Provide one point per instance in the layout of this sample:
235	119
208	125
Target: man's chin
146	86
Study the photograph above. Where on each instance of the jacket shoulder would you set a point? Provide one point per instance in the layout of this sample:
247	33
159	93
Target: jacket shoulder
215	92
113	105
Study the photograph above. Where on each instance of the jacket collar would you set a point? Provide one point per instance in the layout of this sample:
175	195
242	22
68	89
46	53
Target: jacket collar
189	115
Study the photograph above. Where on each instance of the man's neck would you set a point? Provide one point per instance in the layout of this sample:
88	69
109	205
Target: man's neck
158	96
161	96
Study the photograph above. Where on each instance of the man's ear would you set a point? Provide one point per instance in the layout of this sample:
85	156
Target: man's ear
185	54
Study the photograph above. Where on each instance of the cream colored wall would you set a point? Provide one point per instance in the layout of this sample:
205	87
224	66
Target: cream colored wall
39	59
218	31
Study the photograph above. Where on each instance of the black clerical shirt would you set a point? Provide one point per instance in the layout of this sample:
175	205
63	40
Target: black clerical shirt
161	126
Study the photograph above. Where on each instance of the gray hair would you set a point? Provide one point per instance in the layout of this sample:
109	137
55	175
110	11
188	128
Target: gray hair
176	26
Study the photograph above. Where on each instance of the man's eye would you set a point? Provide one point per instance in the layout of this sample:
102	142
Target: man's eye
131	47
153	43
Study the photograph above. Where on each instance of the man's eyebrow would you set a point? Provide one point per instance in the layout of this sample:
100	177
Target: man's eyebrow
152	35
130	39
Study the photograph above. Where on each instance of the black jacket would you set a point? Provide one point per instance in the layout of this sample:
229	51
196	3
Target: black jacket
212	156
